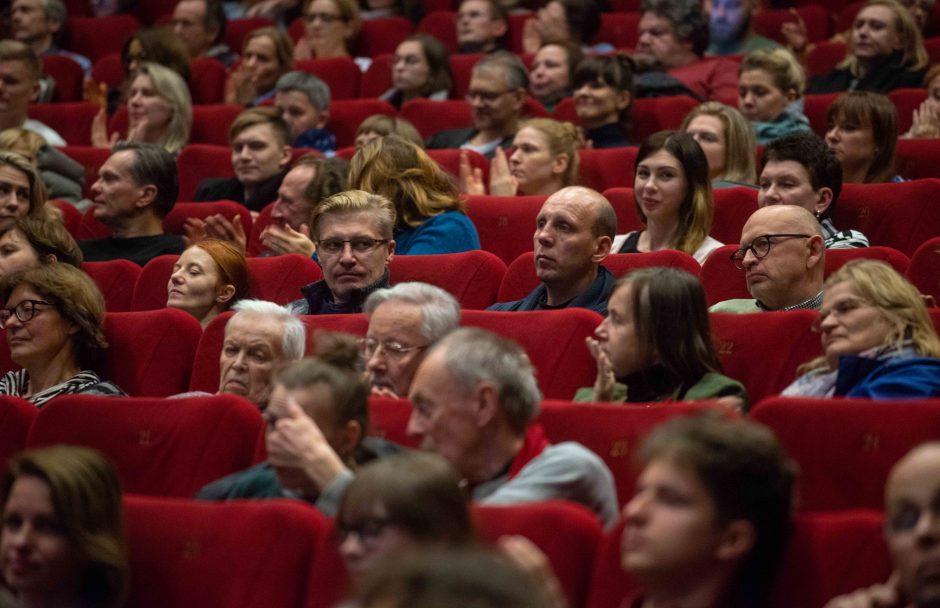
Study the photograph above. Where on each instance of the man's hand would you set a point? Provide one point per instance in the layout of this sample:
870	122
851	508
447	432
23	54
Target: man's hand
220	227
887	595
297	442
287	240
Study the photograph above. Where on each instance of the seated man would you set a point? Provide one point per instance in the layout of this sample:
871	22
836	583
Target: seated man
475	400
730	29
38	23
404	321
497	93
136	188
353	234
911	495
481	25
304	103
673	35
800	169
784	258
20	72
573	235
200	24
261	151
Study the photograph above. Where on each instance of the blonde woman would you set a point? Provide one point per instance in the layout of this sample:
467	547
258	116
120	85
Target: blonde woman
770	94
728	142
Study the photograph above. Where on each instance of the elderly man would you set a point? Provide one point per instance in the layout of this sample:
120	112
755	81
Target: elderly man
783	255
573	235
304	103
200	24
481	24
800	169
20	71
673	35
475	399
353	234
404	322
730	28
497	93
913	536
37	23
136	188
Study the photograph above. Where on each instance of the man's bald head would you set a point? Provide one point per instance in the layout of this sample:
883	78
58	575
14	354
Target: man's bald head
785	219
605	218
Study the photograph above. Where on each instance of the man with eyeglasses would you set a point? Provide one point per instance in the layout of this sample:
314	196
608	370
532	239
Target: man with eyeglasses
353	234
783	256
481	24
200	25
498	89
404	321
912	532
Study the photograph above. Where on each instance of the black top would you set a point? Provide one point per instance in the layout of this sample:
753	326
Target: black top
137	249
230	189
892	74
611	135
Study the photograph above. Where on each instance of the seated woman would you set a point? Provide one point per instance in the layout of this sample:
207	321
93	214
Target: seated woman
551	78
208	279
22	193
63	177
925	123
862	131
267	54
330	27
29	242
574	21
728	142
380	125
603	97
655	344
53	320
400	502
885	52
159	111
770	93
673	198
877	336
544	160
420	68
63	529
429	214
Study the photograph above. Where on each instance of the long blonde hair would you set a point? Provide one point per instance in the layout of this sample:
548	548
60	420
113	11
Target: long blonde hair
740	141
562	138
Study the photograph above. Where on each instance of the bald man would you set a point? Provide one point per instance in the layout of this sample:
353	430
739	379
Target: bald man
783	256
912	530
574	232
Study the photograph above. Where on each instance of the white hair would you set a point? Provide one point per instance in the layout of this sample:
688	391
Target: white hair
440	311
295	334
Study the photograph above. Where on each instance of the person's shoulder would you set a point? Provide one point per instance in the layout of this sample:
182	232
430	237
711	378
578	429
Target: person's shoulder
450	138
735	305
104	388
507	306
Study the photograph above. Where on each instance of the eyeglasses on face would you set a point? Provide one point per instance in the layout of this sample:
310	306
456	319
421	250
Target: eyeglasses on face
485	96
761	246
360	244
24	311
391	348
366	530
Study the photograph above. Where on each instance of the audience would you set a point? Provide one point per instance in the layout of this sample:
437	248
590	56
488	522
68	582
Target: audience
39	23
571	21
53	317
22	193
474	401
727	140
862	131
208	279
481	26
655	344
783	255
30	242
573	235
267	54
673	198
925	122
20	72
330	27
551	77
137	187
63	540
200	25
154	45
429	215
770	94
603	97
800	170
304	103
731	28
404	322
877	337
63	177
420	68
380	125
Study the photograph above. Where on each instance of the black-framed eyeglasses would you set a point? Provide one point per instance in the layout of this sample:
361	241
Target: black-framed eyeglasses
24	311
485	96
761	246
366	530
324	17
360	244
391	348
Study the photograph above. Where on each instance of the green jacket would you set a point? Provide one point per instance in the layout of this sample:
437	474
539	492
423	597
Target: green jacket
710	386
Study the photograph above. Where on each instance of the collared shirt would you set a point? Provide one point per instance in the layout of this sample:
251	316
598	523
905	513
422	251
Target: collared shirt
813	303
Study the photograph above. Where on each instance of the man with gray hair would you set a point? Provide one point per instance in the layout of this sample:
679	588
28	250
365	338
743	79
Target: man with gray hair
304	102
497	93
37	23
475	400
404	322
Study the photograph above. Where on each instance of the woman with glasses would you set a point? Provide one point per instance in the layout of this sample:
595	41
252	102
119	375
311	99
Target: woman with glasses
420	69
53	318
655	344
673	198
330	28
877	337
208	278
429	215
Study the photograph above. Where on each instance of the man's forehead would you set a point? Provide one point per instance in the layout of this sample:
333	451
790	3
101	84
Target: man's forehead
348	225
476	5
297	98
196	8
16	67
919	469
487	78
395	316
570	207
120	162
260	132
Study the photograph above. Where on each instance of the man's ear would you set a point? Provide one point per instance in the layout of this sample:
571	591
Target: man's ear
286	155
486	402
737	539
323	119
391	252
602	246
350	436
500	27
35	90
817	248
147	195
823	200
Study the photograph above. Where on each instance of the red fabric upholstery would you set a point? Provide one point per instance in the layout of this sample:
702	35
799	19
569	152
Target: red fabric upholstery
16	416
341	74
521	279
156	12
378	77
95	37
449	160
90	158
607	168
764	352
473	277
261	222
733	207
388	418
207	83
347	115
150	290
71	216
906	101
109	69
935	317
625	207
211	122
914	158
899	215
161	447
431	117
328	581
568	535
176	219
237	29
506	224
846	447
377	36
609	583
613	431
115	279
924	271
768	22
619	29
241	554
824	58
846	15
70	120
68	75
836	258
814	106
443	26
197	162
554	341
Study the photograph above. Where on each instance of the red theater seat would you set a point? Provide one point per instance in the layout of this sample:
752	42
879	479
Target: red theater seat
431	117
16	416
68	76
115	279
108	69
341	74
378	78
814	106
346	116
71	216
211	123
443	26
906	101
506	224
197	162
70	120
449	160
377	36
769	22
607	168
824	58
473	277
95	37
924	271
388	418
915	158
90	158
161	447
208	81
618	29
236	30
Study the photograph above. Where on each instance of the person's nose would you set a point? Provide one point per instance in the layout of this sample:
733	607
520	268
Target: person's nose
376	363
832	135
544	235
635	510
417	426
927	530
177	277
515	159
600	332
351	546
347	258
241	360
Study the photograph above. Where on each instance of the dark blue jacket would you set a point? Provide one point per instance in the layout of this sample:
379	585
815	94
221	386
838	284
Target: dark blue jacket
914	377
593	298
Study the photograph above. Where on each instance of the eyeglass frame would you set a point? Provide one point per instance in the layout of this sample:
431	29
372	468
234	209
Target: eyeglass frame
367	530
487	97
737	257
394	353
375	244
6	313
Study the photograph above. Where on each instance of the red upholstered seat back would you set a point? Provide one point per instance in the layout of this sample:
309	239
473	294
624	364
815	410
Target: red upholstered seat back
16	416
115	279
473	277
197	162
506	224
603	169
924	270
